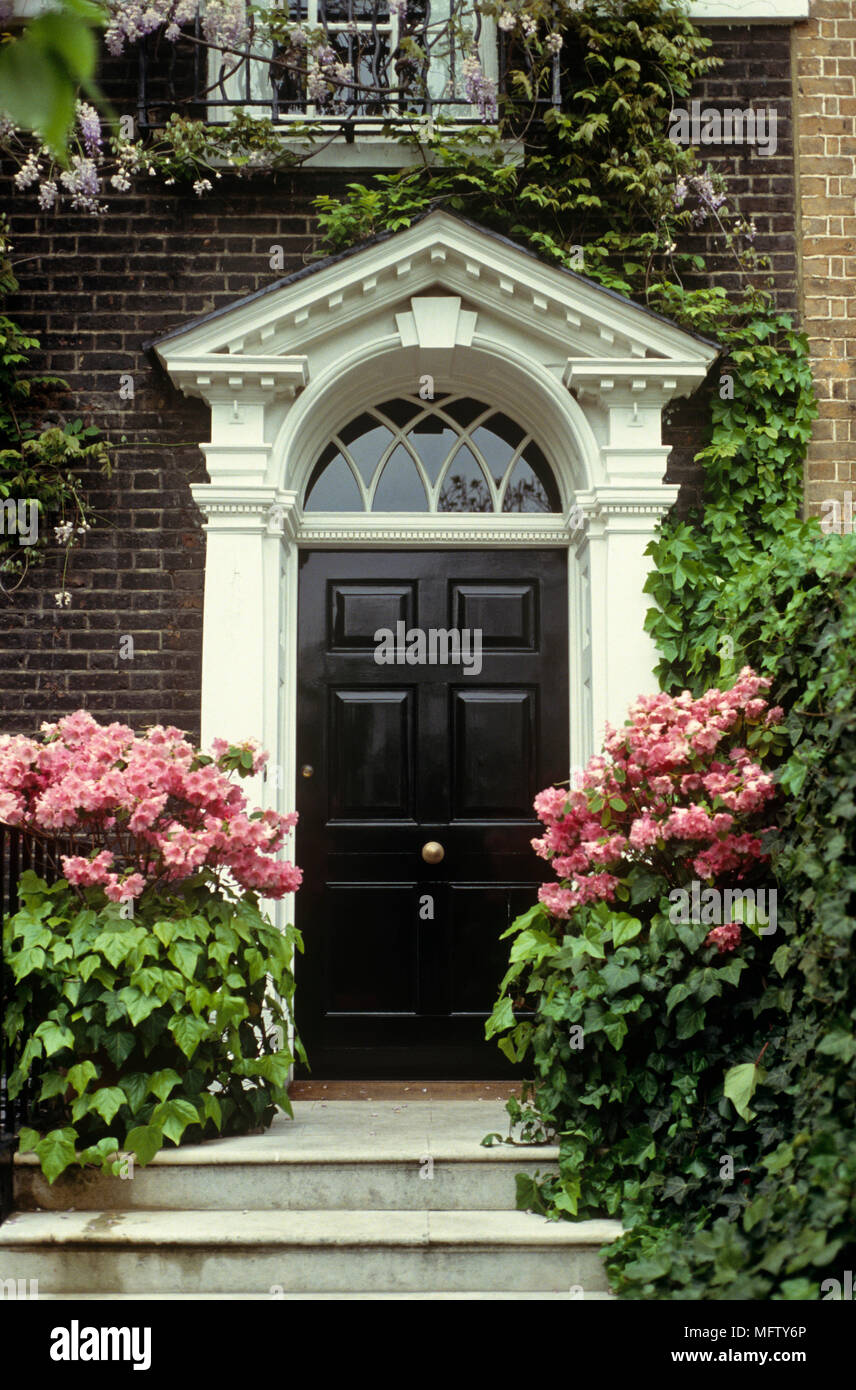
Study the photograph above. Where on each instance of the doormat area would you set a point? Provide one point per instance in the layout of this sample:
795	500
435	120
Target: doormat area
402	1090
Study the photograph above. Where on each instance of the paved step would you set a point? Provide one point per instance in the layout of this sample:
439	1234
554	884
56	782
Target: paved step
285	1183
508	1296
337	1157
290	1252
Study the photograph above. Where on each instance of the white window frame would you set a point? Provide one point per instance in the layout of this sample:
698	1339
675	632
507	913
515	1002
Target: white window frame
464	113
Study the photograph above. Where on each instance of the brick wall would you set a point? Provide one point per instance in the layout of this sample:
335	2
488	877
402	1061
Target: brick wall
94	291
755	71
825	59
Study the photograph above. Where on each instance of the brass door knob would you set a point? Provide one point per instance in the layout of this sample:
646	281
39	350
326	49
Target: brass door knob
432	852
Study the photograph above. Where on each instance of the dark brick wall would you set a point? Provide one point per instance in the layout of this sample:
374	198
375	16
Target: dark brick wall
94	291
755	71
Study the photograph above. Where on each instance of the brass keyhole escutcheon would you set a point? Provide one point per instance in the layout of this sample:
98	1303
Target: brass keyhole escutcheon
307	770
432	852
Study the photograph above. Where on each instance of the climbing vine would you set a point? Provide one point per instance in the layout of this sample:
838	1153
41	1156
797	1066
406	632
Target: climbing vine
43	502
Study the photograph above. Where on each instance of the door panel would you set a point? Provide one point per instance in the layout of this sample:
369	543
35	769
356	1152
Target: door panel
493	754
377	784
403	958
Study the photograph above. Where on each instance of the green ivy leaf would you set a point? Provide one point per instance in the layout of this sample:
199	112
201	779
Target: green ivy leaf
740	1085
144	1141
173	1117
161	1083
55	1036
80	1076
188	1032
56	1152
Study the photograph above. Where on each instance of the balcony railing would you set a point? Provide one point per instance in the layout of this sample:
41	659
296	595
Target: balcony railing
407	64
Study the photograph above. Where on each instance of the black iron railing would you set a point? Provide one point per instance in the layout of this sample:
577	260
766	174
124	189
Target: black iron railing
405	66
18	852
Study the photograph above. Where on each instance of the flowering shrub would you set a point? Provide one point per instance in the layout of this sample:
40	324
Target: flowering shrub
641	1020
675	794
156	810
164	1027
145	985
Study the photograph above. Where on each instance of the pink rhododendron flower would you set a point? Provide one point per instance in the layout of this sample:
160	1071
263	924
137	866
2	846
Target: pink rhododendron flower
669	793
160	813
726	937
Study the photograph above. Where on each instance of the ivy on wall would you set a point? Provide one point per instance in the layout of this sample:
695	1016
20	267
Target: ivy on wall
43	503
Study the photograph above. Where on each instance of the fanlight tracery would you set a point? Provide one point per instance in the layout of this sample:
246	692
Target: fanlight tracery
452	454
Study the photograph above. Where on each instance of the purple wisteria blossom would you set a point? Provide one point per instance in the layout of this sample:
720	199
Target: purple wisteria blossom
479	90
89	125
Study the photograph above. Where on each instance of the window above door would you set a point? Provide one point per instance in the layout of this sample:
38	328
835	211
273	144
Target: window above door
407	58
453	454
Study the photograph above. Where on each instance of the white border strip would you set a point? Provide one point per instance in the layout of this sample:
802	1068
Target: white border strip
748	11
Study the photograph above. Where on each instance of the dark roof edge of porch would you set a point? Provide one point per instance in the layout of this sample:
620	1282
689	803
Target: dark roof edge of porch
339	256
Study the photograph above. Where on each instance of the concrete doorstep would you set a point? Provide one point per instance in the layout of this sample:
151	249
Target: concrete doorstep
347	1200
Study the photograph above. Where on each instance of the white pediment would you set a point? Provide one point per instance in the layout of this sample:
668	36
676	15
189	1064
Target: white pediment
439	285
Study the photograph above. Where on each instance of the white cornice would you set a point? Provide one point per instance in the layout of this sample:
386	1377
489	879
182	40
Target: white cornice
645	380
483	270
748	11
221	376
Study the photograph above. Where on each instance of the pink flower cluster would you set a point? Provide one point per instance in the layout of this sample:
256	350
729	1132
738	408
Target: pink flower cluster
156	809
726	937
672	789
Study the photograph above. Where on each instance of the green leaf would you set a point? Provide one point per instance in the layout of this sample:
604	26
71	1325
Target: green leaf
624	928
161	1083
212	1109
144	1142
56	1152
54	1083
136	1088
80	1076
173	1117
274	1068
740	1084
137	1004
118	1046
536	915
107	1101
88	965
55	1036
838	1044
188	1032
185	957
28	962
500	1019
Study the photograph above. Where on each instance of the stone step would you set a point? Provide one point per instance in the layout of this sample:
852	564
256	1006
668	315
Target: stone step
290	1252
510	1296
336	1157
283	1182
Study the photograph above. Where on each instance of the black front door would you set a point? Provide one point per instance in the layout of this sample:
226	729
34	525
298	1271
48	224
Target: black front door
432	706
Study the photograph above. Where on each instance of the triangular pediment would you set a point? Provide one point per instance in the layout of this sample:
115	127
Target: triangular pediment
440	284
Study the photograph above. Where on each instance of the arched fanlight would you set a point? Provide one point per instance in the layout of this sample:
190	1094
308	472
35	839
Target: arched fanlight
453	454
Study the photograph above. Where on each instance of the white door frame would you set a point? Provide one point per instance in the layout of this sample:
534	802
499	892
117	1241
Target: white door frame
583	370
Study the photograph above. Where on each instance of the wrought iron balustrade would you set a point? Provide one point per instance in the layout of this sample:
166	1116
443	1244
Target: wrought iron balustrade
407	65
